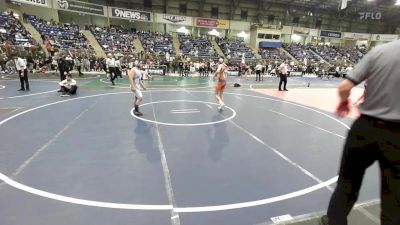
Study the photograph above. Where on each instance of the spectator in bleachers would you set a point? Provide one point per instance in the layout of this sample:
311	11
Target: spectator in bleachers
200	47
302	52
234	49
157	43
67	36
12	31
115	39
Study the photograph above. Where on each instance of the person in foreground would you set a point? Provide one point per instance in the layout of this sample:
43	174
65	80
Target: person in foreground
374	136
135	76
68	86
221	84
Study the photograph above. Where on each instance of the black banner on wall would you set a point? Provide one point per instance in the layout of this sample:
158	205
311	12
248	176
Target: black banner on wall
81	7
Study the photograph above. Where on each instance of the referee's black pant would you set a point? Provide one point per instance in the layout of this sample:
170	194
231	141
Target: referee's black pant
369	140
23	78
283	79
111	71
70	91
258	75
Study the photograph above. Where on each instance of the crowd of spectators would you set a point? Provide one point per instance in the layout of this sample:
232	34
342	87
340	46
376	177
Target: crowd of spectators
12	32
334	54
353	55
115	39
328	53
68	38
302	53
234	49
273	54
156	43
199	47
60	36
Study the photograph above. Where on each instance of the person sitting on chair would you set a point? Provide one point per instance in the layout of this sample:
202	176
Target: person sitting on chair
68	86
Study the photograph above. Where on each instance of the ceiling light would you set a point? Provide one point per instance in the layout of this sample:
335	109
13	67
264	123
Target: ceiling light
183	30
242	34
213	32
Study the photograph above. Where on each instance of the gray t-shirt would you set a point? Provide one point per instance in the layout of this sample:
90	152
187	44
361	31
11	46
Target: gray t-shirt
380	68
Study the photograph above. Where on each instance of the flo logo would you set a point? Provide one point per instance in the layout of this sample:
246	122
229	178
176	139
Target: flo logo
370	15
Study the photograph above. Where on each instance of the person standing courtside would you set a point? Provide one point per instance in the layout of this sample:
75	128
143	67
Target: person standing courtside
374	136
258	68
22	70
221	84
283	73
110	66
63	68
78	64
135	77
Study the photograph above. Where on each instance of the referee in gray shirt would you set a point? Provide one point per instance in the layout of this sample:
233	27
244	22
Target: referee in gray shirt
375	136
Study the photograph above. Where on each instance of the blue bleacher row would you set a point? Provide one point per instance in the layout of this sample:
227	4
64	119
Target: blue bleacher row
115	39
12	31
199	47
120	40
234	49
157	43
67	36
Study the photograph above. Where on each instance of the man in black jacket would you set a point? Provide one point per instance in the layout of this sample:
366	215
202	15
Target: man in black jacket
63	67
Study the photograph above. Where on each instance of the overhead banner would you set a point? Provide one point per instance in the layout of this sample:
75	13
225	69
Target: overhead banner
384	37
330	34
43	3
356	36
212	23
174	19
130	14
301	30
81	7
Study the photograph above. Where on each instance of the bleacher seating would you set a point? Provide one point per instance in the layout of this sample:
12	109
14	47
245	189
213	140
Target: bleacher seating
156	43
12	31
115	39
234	49
67	36
326	52
301	52
197	47
353	55
335	54
273	55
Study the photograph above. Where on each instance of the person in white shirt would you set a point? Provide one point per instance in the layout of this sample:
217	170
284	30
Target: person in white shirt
68	86
22	70
78	64
69	62
110	65
283	73
258	71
